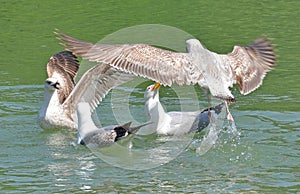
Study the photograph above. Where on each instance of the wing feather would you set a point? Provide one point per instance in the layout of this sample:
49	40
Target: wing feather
251	63
143	60
66	61
94	85
246	66
63	66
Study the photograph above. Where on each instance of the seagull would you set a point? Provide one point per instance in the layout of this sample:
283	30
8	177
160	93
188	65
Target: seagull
245	66
61	95
175	123
92	136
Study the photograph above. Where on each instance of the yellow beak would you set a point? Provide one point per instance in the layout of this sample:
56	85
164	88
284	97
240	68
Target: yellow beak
156	86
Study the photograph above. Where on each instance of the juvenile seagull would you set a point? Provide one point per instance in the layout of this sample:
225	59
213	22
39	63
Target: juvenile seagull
61	95
175	123
92	136
245	66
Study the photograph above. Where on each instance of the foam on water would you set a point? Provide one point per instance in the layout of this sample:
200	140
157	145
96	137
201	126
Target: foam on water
214	131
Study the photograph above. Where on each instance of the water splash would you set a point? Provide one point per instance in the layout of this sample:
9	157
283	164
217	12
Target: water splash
209	139
215	130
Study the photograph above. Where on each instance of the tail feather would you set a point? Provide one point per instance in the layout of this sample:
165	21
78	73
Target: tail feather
125	130
203	118
133	130
217	108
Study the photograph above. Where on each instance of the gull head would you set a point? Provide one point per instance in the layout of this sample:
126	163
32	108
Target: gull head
52	84
152	91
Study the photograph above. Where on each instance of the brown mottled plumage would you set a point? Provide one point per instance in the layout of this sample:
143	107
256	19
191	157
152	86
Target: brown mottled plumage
245	66
62	95
63	66
251	63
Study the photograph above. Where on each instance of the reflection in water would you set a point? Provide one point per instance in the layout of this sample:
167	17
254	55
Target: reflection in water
68	162
144	153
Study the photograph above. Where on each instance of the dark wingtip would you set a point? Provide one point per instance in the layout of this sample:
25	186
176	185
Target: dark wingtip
218	108
61	37
265	50
262	59
133	130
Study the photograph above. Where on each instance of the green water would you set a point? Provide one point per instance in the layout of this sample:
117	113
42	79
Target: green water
264	159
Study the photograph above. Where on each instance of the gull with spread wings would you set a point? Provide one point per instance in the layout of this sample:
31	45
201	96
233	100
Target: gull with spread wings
67	105
245	66
61	95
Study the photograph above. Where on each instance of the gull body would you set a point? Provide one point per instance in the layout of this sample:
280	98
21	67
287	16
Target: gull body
92	136
61	95
175	122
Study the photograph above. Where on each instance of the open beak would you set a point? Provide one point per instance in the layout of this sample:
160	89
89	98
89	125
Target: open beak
156	86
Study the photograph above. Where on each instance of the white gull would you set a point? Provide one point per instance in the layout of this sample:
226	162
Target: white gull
175	122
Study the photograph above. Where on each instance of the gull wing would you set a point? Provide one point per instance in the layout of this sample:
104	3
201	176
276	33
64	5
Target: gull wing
246	66
63	66
94	85
251	63
144	60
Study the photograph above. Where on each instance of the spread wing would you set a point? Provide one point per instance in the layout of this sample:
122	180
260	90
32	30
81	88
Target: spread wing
63	66
246	66
94	85
251	63
144	60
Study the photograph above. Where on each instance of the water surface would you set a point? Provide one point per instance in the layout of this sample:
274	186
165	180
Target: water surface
263	158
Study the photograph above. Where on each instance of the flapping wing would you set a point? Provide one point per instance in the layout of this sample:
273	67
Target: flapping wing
251	63
63	66
94	85
64	60
144	60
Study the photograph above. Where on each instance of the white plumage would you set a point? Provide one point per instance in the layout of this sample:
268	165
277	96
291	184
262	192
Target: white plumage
175	122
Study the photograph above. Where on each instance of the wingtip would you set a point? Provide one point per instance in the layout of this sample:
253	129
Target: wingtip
133	130
56	31
259	58
127	126
265	48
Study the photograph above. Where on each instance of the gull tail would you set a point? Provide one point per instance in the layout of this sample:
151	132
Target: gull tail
133	130
203	118
125	130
